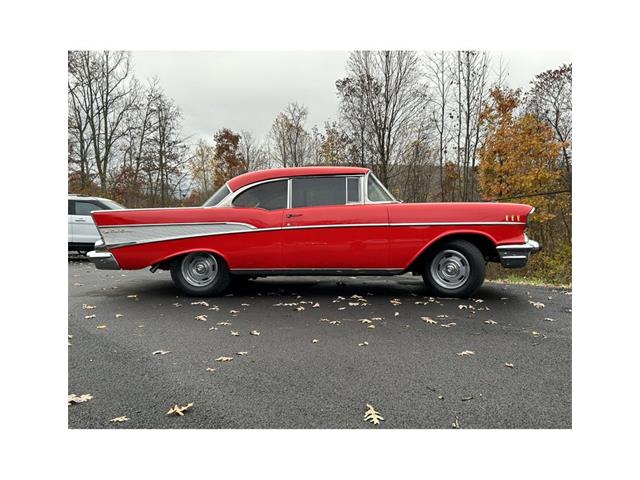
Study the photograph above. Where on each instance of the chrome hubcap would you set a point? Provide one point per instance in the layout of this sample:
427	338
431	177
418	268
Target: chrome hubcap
199	269
450	269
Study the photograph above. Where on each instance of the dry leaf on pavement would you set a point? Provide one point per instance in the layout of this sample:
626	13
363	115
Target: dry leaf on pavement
255	332
160	352
235	334
510	365
119	419
73	398
538	305
466	353
201	318
224	359
88	317
242	353
429	320
490	322
372	415
179	409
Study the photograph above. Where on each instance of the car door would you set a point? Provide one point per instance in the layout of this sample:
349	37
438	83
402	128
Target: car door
329	226
261	206
83	228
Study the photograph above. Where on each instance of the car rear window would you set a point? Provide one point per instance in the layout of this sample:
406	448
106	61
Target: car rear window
270	196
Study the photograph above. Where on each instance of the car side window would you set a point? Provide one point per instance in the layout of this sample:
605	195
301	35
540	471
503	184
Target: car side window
353	190
85	208
71	209
317	191
270	196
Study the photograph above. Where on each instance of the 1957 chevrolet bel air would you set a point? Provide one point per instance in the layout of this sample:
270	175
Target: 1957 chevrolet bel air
314	221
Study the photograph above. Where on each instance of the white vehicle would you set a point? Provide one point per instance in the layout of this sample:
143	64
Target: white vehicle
83	233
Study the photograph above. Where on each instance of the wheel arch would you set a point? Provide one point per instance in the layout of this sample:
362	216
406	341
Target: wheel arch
164	263
485	243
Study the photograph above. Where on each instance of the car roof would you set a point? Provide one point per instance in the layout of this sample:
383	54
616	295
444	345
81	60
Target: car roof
261	175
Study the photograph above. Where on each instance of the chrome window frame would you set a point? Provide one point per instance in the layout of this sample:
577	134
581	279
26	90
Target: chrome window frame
362	200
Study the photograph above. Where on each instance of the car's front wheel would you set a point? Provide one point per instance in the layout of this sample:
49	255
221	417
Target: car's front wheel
200	274
455	269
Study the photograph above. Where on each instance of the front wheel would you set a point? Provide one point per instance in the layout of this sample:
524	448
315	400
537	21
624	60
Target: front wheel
456	269
200	274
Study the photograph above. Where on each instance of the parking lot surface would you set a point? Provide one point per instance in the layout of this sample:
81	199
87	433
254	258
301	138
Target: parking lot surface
312	352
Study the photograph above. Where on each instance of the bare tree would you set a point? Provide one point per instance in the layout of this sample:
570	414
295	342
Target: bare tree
289	139
438	67
386	85
103	91
254	155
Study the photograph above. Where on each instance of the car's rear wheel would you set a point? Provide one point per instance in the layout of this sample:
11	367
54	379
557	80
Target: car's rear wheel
200	274
455	269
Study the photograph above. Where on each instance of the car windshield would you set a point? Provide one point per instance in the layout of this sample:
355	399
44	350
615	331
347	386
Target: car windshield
111	205
217	197
376	192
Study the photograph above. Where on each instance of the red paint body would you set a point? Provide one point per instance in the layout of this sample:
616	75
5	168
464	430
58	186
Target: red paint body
379	241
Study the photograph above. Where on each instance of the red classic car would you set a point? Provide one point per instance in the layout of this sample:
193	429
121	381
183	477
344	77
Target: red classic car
315	221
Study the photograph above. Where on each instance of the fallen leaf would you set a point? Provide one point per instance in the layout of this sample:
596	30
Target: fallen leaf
372	415
299	309
371	326
490	322
73	398
132	296
510	365
176	304
255	332
549	319
429	320
224	359
160	352
456	423
88	307
538	305
88	317
101	326
315	340
223	323
201	318
119	315
363	344
315	305
466	399
209	369
395	314
234	312
395	301
448	325
364	320
119	419
201	302
179	409
235	334
242	353
466	353
335	322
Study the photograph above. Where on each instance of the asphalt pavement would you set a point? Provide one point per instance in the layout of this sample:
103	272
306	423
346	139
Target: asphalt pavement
312	352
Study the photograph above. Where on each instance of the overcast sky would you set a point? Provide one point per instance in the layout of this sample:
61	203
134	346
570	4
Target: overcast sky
246	90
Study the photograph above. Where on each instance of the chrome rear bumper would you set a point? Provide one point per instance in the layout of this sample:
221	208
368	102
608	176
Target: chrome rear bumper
517	256
103	260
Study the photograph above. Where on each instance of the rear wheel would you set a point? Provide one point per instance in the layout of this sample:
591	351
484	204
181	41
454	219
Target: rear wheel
456	269
200	274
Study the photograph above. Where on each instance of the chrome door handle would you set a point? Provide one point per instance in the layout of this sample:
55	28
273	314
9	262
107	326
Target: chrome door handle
291	215
80	220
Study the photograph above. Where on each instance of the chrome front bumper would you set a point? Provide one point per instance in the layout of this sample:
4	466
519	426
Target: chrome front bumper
103	260
517	256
